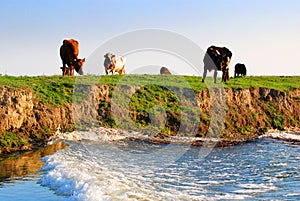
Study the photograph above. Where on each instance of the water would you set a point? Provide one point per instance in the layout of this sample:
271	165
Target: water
20	175
27	188
266	169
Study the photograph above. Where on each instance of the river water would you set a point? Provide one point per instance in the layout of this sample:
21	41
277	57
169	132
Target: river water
266	169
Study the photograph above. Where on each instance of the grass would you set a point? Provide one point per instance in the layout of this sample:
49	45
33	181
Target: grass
11	140
282	83
53	90
58	90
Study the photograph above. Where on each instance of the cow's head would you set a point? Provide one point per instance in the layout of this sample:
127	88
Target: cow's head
78	65
108	55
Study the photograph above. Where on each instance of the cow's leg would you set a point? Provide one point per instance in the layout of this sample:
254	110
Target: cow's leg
224	75
227	75
204	74
64	71
64	67
215	75
123	70
71	70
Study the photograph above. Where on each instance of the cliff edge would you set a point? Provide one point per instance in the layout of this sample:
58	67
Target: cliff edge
26	122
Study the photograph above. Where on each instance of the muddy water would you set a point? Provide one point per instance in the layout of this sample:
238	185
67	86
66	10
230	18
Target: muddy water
27	163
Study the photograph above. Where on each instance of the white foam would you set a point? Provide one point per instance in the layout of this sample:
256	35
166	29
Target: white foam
255	188
99	134
283	136
106	173
69	176
72	172
293	194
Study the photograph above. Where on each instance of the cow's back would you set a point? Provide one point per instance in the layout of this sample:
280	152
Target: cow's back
164	70
69	50
240	69
214	56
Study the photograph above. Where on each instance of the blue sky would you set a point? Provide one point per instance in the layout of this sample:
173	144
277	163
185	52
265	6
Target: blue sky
263	34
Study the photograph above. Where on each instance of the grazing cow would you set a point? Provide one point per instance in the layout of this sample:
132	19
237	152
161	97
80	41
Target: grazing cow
69	55
217	59
240	70
164	70
113	64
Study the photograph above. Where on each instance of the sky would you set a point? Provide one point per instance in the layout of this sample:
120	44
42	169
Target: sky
262	34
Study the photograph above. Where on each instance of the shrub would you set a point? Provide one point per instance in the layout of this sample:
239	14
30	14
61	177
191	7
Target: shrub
278	122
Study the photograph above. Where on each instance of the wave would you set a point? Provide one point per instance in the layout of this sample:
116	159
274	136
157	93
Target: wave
101	166
283	135
101	134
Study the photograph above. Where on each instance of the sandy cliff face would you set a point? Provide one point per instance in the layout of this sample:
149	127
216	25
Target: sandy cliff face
247	112
239	114
28	121
20	112
255	110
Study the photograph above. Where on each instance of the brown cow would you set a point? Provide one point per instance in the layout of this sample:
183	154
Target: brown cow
69	55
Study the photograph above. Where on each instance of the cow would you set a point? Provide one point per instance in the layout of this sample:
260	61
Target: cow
240	70
164	70
113	64
69	55
217	59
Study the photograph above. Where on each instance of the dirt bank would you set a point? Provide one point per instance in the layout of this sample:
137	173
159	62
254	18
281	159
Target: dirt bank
247	113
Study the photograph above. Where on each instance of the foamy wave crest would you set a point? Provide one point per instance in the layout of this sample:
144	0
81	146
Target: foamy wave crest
256	188
68	174
106	175
78	177
99	134
89	170
283	136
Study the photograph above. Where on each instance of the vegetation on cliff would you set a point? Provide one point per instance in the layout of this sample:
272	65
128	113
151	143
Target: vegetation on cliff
58	90
33	107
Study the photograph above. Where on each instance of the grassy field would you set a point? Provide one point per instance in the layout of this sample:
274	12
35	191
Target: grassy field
58	90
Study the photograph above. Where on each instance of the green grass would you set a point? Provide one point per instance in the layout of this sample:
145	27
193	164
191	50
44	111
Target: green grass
282	83
58	90
54	90
11	140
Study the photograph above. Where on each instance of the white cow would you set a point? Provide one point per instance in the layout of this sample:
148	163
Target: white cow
111	64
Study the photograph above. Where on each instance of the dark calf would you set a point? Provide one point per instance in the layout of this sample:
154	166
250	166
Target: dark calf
240	70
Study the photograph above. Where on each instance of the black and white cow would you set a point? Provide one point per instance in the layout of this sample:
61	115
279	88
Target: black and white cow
217	59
